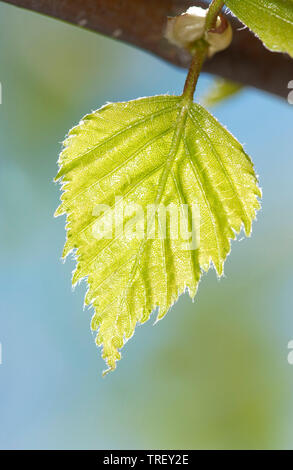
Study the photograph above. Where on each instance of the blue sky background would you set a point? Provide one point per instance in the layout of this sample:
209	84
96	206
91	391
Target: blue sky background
213	373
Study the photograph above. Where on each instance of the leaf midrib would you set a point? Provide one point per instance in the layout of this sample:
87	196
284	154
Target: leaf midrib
180	122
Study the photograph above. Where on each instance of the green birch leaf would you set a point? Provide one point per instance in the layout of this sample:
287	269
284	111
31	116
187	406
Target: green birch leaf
120	161
270	20
220	91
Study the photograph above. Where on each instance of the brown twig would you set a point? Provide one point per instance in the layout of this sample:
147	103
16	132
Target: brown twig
142	23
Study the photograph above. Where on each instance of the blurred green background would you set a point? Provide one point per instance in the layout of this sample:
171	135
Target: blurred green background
213	373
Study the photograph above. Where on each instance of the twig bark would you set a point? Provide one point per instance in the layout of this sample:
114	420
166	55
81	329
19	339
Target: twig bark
142	23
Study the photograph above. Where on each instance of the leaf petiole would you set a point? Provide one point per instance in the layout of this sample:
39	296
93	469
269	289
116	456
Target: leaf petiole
200	50
213	11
